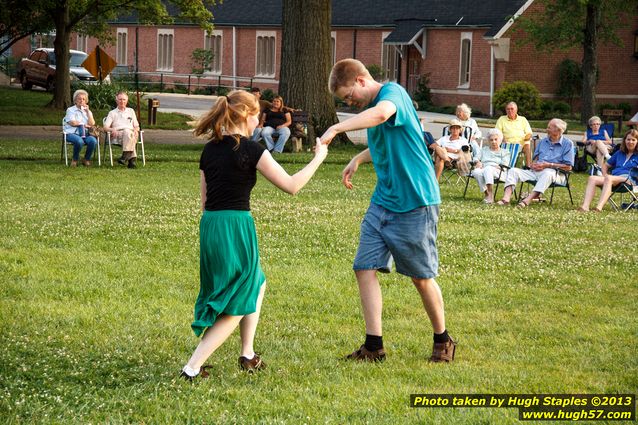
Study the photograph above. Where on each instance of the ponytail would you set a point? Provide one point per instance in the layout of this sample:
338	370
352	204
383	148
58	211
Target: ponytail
228	111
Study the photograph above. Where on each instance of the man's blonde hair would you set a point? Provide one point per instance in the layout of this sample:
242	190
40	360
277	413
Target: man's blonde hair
345	72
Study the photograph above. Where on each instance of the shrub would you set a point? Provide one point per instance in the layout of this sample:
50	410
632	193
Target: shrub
221	91
422	95
201	60
524	93
626	109
570	80
268	95
601	107
101	96
375	71
555	108
205	90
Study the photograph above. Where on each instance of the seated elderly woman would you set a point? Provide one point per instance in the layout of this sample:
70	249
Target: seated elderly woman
552	153
621	164
488	161
452	150
463	113
76	125
597	142
276	121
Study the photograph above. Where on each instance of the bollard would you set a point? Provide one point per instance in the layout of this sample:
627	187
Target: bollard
153	104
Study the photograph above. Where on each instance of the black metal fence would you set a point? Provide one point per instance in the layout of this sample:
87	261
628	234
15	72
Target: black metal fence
181	83
8	65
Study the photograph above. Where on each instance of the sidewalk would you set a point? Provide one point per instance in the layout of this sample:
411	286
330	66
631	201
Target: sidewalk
54	133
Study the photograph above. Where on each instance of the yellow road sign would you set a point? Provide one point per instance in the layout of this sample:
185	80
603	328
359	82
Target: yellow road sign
99	63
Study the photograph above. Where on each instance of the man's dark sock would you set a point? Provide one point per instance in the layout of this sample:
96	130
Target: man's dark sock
442	337
373	342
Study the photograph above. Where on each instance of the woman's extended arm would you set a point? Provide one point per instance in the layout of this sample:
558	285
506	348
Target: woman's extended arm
275	173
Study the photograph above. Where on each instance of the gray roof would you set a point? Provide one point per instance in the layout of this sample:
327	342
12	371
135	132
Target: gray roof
490	14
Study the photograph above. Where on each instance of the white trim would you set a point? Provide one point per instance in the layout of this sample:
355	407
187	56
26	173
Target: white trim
333	34
220	34
117	53
492	76
424	44
265	80
266	34
466	35
392	50
618	96
235	55
84	43
384	35
161	32
603	96
510	22
461	91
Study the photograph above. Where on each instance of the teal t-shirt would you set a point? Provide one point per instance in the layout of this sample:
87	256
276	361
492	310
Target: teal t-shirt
405	173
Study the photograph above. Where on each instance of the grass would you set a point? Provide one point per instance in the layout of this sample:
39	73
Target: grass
99	272
20	107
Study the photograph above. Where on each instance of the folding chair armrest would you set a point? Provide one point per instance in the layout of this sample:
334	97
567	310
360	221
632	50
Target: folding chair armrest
564	173
560	170
504	167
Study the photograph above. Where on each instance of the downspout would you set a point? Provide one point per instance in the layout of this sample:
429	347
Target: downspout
354	44
234	56
491	79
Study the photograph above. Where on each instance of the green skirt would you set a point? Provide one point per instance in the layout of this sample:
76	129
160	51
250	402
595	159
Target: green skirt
229	270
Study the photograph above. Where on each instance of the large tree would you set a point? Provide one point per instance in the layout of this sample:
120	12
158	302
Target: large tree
564	24
20	19
91	17
306	61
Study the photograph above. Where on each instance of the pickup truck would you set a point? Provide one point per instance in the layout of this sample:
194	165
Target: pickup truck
39	69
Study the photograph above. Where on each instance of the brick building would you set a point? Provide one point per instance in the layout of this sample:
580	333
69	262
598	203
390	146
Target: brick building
468	48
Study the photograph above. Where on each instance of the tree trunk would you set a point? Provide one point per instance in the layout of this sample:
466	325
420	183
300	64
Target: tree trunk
590	65
62	91
306	62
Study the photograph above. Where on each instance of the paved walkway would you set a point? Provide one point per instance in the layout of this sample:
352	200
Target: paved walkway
49	133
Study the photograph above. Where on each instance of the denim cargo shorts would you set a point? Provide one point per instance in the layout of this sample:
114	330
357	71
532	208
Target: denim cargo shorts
409	238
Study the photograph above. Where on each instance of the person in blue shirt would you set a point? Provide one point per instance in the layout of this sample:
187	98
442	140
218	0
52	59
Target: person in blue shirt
552	153
401	221
621	163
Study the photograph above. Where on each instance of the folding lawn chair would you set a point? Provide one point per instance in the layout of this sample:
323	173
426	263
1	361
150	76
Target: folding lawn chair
107	135
554	185
514	149
609	128
452	170
629	187
65	154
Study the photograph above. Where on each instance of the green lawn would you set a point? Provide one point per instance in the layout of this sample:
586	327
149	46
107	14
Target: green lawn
99	272
23	107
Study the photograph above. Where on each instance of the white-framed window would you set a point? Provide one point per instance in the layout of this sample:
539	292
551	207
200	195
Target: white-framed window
333	46
465	64
390	60
165	39
265	54
213	42
121	48
83	42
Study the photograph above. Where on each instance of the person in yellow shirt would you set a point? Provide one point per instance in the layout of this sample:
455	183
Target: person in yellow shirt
516	129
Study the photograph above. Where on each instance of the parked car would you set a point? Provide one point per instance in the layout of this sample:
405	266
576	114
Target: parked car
39	69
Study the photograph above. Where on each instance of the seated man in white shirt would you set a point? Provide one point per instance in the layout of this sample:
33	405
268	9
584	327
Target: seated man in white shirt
554	152
452	148
122	123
